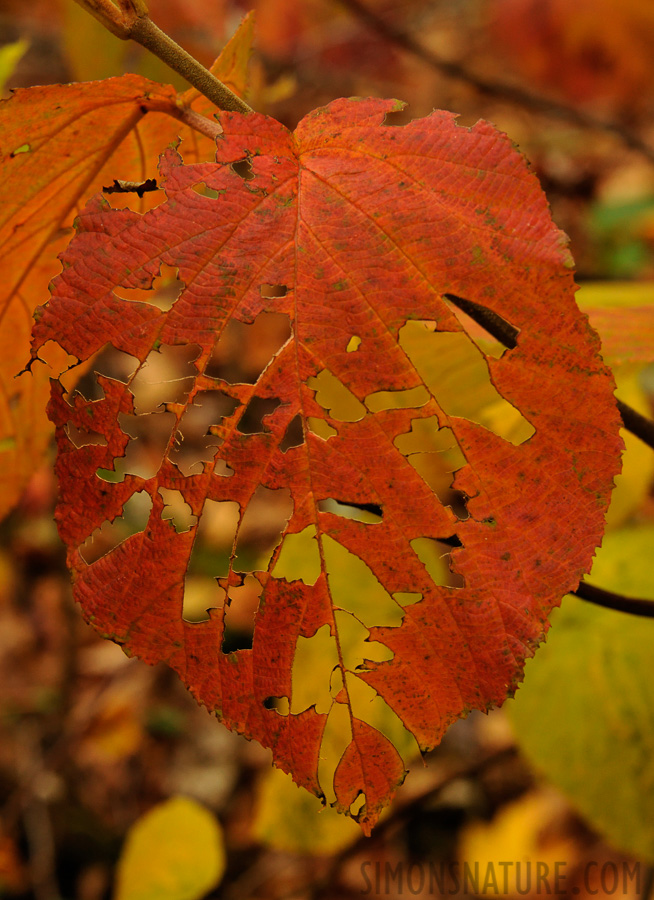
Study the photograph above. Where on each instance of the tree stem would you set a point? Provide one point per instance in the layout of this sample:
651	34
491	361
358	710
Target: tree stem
150	36
130	20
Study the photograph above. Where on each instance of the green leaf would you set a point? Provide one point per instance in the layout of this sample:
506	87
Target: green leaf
585	715
174	852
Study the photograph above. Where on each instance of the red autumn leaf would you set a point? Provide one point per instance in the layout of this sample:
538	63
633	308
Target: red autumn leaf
352	234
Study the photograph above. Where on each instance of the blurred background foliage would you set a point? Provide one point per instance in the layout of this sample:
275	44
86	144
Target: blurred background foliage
113	783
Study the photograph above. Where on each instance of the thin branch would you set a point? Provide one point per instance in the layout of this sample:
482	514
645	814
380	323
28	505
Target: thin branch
637	424
500	90
188	116
634	605
132	22
146	33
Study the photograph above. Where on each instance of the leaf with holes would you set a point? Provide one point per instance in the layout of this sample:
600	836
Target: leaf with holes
60	144
354	246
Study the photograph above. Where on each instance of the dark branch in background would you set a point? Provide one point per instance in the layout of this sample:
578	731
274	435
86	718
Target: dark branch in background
402	813
498	89
634	605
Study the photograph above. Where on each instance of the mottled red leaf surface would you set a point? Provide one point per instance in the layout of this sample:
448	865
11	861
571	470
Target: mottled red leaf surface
346	238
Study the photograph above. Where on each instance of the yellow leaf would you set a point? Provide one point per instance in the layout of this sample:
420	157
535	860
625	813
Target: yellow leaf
10	56
292	820
504	847
173	852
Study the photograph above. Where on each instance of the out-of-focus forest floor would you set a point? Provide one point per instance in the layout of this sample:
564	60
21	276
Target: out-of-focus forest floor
90	739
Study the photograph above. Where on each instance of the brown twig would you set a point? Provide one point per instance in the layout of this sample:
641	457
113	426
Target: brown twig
130	21
498	89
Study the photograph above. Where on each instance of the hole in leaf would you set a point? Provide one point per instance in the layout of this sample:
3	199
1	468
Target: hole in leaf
222	469
210	557
293	436
435	557
370	513
487	319
299	558
407	598
355	644
427	437
397	117
412	398
336	738
177	510
167	287
281	705
356	589
150	436
214	540
315	660
201	595
81	438
110	363
357	804
353	344
273	291
212	549
243	168
24	148
134	519
201	188
240	609
320	428
457	375
335	397
164	291
262	525
243	350
435	455
252	420
194	442
166	376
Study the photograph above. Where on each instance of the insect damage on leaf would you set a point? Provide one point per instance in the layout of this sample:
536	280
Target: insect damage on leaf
389	507
132	187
